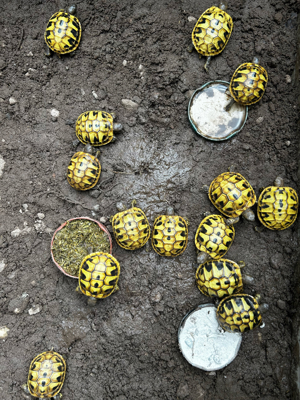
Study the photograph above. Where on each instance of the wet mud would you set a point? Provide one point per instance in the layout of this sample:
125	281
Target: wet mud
132	60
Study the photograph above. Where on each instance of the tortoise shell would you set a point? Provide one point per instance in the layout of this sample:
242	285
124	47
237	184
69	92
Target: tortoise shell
219	278
131	228
63	32
239	313
169	235
231	194
212	31
214	237
46	375
83	171
98	275
277	207
248	83
95	127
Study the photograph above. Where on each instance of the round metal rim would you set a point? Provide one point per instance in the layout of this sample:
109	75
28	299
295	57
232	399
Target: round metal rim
101	226
193	125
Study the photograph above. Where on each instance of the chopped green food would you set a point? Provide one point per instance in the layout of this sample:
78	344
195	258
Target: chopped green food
76	240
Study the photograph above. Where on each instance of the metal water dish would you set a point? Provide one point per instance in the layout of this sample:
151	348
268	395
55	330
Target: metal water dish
202	341
207	112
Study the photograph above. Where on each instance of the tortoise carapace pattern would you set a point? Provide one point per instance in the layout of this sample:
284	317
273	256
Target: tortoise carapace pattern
46	375
131	228
219	278
212	31
214	237
239	313
63	32
248	83
231	194
98	275
95	127
169	235
277	207
83	171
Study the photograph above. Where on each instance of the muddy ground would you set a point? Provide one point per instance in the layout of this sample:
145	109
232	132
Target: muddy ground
126	347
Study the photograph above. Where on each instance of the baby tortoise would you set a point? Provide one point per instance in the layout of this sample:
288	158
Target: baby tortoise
232	195
46	376
240	313
131	227
98	276
96	128
212	32
170	234
220	278
277	206
248	84
213	238
84	169
63	32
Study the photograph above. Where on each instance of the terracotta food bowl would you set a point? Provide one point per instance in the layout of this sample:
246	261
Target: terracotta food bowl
101	226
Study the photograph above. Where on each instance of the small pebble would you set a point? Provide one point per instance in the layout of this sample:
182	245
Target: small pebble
33	283
41	216
103	220
156	296
25	206
192	19
54	113
30	54
35	309
2	265
288	143
96	207
259	120
19	304
12	100
288	79
3	332
281	304
2	163
82	92
95	193
124	63
94	94
129	104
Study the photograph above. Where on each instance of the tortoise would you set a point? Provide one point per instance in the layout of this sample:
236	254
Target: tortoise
98	276
212	32
220	278
84	169
63	32
232	195
130	227
46	376
248	84
277	206
213	238
170	234
240	313
96	128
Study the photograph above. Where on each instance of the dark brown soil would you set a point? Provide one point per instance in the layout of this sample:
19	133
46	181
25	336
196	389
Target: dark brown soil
126	347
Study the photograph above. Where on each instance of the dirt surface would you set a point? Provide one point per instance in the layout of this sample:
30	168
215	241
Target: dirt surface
126	347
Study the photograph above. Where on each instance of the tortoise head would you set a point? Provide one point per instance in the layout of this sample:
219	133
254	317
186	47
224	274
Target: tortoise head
278	181
255	60
223	5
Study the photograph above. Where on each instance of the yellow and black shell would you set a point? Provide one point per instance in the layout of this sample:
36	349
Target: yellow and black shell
248	83
63	32
277	207
214	237
219	278
231	194
131	228
239	313
98	275
95	127
169	235
46	375
212	31
83	171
